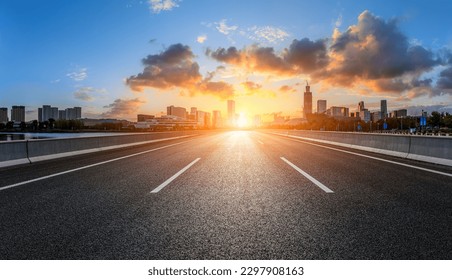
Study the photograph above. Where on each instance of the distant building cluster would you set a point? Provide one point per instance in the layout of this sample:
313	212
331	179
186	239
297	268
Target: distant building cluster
17	114
45	113
48	112
179	117
362	113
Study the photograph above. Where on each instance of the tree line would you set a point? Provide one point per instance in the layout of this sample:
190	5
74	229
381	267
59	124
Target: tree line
435	122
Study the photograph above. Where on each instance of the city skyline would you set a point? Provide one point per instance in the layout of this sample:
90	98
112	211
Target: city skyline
232	119
137	59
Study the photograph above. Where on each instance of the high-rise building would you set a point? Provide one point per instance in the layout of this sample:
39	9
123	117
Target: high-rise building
18	113
335	111
192	115
46	113
216	119
143	117
54	113
78	113
321	106
383	108
361	106
364	115
73	113
176	111
3	115
399	113
40	115
61	114
307	104
375	116
208	120
231	112
70	113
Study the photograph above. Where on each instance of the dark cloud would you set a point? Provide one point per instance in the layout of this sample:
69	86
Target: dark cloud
253	59
230	55
306	55
373	56
376	53
175	68
445	80
122	108
172	68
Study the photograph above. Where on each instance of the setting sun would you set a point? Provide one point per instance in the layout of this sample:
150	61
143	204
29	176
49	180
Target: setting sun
242	121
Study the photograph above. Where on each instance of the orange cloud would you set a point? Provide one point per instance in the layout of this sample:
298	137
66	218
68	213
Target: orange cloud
176	68
302	56
373	55
287	88
122	108
376	54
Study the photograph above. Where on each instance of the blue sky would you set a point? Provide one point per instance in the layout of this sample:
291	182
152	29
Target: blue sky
109	56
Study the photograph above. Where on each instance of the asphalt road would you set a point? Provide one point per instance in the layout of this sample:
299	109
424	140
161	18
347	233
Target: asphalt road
227	195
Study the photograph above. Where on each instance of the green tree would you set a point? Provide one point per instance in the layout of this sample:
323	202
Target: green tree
435	119
447	120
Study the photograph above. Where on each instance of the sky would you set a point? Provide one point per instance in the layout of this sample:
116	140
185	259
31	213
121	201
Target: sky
120	58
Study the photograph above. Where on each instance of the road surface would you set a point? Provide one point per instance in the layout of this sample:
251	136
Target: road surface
227	195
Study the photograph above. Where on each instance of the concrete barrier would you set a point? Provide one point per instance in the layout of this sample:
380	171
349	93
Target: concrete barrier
13	152
431	149
34	150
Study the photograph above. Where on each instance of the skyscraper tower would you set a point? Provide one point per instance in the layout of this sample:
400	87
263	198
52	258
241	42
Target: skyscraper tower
361	106
3	115
18	113
384	109
307	106
321	106
231	112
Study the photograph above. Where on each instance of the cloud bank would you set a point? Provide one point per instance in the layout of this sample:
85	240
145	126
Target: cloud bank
175	68
372	57
122	108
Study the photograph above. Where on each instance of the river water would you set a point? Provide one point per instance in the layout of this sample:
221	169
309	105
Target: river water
12	136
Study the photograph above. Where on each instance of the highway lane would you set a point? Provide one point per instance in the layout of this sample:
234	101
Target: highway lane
240	200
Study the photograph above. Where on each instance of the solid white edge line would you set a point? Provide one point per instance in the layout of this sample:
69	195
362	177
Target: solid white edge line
84	167
371	157
312	179
164	184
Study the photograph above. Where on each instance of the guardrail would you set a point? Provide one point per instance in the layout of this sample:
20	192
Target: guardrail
431	149
28	151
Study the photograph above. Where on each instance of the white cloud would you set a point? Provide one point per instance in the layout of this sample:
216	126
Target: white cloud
78	75
268	33
201	39
162	5
338	22
222	27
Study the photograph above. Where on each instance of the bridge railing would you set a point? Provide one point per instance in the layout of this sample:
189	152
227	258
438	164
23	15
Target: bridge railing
432	149
27	151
